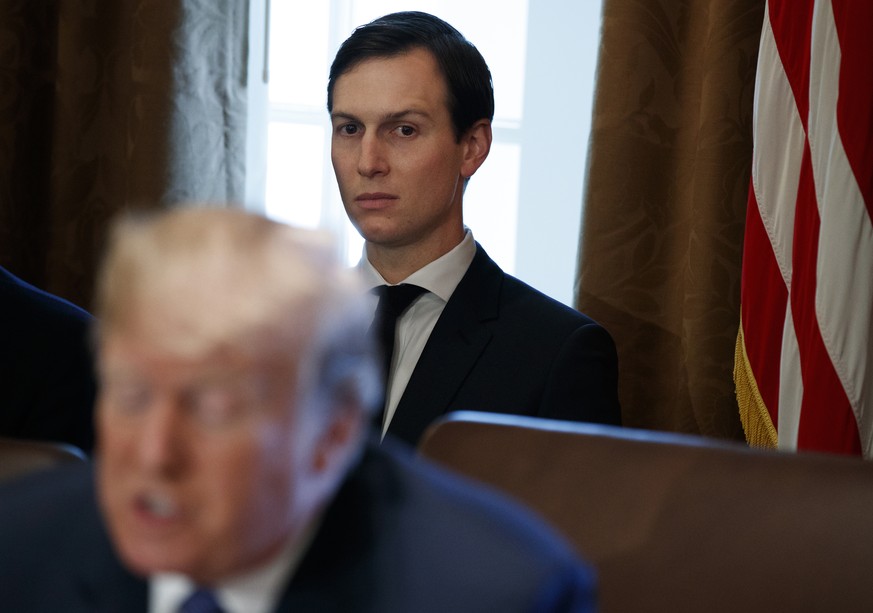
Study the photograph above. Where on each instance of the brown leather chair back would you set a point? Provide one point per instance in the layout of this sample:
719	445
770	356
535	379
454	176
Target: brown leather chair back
676	522
19	457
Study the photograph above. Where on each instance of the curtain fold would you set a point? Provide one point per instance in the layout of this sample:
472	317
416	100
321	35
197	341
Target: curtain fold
665	200
110	105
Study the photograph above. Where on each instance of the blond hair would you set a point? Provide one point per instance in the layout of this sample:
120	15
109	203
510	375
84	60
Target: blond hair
198	279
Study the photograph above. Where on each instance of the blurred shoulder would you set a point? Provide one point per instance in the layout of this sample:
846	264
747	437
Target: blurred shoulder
469	535
29	303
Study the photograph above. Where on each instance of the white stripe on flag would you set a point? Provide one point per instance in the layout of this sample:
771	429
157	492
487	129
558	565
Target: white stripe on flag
790	386
779	141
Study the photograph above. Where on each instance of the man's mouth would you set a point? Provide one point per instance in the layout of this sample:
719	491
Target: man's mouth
375	200
159	506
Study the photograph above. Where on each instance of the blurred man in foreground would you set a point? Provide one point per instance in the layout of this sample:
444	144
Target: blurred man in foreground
232	466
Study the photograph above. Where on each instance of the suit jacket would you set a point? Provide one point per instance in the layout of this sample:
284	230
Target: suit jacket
502	346
399	536
45	366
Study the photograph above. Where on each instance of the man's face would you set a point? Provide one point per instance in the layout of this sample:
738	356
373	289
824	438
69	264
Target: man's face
399	166
200	467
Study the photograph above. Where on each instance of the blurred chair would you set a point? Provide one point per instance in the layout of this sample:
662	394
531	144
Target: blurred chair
19	457
677	522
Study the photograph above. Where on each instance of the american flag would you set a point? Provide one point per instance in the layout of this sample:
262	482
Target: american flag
804	360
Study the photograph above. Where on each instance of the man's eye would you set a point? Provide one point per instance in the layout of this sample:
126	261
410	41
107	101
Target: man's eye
405	130
214	407
348	129
129	398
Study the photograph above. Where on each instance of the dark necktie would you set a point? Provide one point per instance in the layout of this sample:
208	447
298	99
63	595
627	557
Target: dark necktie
201	601
393	301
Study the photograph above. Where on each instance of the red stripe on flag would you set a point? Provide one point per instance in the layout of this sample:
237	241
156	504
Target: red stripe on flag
763	313
827	422
792	28
853	19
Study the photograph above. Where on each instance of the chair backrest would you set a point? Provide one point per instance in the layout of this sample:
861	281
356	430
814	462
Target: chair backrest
676	522
19	457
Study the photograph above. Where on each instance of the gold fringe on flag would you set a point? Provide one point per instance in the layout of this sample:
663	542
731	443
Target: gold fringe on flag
759	428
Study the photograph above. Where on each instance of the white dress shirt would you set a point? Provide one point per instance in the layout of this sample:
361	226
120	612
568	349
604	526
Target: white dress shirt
439	278
257	591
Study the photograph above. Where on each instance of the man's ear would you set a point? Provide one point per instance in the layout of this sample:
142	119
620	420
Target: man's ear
477	145
340	439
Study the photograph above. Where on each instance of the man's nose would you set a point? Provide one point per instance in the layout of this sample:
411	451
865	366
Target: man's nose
161	446
372	160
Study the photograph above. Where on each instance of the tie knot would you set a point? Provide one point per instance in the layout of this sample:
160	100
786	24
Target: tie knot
201	601
395	299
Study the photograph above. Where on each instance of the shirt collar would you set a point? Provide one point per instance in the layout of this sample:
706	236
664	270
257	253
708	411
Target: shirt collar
440	277
257	590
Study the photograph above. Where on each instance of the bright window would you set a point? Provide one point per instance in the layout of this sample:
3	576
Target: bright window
523	205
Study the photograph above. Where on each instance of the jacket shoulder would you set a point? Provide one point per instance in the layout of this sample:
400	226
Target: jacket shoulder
503	295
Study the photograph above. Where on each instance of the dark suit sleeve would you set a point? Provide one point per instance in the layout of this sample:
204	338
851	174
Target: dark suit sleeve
583	380
61	408
45	365
571	591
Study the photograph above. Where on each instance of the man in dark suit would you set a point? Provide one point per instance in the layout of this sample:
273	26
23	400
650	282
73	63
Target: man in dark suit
45	365
411	105
232	467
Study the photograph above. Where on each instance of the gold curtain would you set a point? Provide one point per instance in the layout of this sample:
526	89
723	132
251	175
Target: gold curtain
665	199
107	105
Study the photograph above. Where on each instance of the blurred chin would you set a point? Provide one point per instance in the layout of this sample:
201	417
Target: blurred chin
146	559
144	554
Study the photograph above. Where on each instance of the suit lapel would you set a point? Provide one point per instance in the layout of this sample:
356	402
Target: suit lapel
454	346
